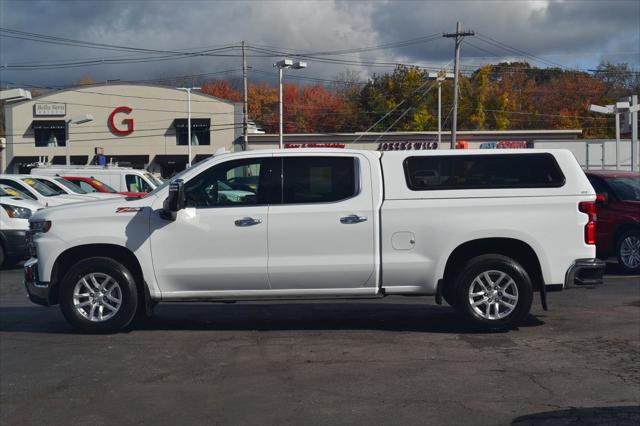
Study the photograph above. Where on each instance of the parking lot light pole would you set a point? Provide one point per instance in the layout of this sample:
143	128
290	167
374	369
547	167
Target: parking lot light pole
188	90
285	63
440	76
79	119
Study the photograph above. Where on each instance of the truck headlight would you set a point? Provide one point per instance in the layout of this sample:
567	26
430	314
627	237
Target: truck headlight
16	212
40	226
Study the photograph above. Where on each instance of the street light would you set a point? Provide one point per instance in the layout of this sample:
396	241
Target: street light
440	76
285	63
78	119
617	109
188	90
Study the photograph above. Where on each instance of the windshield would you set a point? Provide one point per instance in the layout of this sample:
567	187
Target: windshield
43	189
154	180
626	188
103	185
166	183
12	192
4	193
71	187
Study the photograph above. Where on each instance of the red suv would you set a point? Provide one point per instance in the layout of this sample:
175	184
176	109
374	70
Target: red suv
94	185
618	210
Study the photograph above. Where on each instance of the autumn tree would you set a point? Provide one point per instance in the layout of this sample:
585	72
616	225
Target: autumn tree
87	80
221	89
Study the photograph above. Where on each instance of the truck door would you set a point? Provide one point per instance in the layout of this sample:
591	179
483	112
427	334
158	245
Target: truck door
321	236
219	241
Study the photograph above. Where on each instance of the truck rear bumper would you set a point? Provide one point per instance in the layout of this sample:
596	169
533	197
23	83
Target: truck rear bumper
585	272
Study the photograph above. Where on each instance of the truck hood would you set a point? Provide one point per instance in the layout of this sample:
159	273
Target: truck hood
20	202
98	208
59	200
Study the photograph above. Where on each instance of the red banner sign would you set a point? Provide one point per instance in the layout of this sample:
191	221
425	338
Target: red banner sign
314	145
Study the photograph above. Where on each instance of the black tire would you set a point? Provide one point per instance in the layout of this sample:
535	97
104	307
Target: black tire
501	265
630	235
127	291
1	255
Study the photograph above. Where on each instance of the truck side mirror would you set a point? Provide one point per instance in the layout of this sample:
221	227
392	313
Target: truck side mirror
175	201
602	199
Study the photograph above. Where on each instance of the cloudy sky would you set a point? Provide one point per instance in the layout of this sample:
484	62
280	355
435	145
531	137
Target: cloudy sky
573	33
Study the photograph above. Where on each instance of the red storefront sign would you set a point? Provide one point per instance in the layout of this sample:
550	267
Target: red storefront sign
127	121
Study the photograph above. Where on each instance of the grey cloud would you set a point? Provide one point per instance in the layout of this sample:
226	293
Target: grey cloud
569	32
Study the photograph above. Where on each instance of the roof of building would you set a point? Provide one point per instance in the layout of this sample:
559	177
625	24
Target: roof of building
86	88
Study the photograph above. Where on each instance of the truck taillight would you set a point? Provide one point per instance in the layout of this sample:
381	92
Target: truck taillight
589	207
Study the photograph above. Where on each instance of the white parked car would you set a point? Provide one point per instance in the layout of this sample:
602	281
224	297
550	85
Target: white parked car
60	184
482	230
38	191
122	179
14	224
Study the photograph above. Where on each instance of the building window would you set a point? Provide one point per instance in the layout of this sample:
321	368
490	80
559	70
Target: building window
50	133
200	131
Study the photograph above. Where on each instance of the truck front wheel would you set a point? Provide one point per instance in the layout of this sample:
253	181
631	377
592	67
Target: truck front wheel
493	292
98	295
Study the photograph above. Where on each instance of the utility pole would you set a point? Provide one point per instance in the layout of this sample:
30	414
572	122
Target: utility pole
459	35
245	100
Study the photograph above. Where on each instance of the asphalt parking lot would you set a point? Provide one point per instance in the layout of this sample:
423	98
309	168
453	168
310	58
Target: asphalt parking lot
398	361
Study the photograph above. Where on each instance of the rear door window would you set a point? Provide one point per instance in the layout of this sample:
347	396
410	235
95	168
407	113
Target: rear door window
317	179
442	172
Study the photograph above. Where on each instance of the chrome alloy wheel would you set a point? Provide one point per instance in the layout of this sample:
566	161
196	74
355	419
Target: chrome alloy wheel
630	252
97	297
493	295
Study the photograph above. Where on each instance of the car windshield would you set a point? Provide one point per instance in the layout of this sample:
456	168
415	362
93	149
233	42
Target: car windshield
103	185
154	180
42	188
71	187
12	192
4	193
626	188
166	183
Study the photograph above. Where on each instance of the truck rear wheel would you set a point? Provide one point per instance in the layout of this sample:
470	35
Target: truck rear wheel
98	295
628	251
493	292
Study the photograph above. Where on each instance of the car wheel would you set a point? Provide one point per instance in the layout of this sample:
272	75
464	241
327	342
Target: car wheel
493	292
628	251
1	255
98	295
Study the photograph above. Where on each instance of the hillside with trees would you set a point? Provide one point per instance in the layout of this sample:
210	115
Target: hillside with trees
500	96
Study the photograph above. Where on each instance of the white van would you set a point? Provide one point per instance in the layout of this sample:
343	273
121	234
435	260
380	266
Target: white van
122	179
14	224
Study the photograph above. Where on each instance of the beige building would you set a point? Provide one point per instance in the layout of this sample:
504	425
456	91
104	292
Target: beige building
136	125
145	126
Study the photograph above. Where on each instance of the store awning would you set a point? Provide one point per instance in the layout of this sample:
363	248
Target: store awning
171	159
199	157
25	159
75	159
196	123
48	125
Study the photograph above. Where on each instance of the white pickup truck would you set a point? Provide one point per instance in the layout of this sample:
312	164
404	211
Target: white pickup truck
482	229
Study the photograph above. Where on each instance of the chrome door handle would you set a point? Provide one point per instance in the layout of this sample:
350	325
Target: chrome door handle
247	221
352	218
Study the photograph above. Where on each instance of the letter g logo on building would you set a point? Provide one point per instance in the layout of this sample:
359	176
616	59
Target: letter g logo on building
127	121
